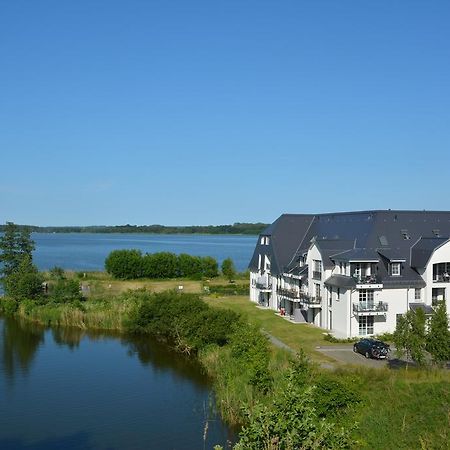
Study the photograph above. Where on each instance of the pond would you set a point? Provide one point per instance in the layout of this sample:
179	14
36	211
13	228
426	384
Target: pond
69	389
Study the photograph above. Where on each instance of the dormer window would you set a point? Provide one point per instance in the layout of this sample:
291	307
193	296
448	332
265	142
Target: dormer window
395	269
264	240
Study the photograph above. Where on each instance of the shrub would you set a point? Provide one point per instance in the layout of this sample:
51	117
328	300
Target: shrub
183	319
124	264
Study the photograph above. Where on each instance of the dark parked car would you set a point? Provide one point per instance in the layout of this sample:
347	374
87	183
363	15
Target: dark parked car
371	348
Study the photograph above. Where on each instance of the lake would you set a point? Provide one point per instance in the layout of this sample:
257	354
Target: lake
69	389
87	251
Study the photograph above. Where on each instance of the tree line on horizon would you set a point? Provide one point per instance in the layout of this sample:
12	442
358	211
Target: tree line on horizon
236	228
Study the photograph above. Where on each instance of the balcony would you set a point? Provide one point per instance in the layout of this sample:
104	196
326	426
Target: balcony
296	296
292	294
314	301
264	287
444	278
370	308
317	275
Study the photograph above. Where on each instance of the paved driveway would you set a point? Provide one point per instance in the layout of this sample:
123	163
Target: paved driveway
344	354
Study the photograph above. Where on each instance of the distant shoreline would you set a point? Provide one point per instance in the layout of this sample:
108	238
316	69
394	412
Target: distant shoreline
235	229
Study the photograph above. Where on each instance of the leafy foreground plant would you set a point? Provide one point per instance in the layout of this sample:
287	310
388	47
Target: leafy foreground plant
292	420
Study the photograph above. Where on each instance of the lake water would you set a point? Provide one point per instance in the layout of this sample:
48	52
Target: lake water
66	389
86	251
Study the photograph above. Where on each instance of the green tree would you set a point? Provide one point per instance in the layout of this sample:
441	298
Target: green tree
228	269
410	335
210	268
25	282
125	264
15	244
438	336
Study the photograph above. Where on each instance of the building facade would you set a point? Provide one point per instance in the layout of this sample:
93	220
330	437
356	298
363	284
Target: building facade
354	273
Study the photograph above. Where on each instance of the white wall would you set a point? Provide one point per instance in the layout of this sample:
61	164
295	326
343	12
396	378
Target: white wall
440	255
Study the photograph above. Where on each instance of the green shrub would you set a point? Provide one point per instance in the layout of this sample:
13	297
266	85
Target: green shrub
330	338
183	319
8	305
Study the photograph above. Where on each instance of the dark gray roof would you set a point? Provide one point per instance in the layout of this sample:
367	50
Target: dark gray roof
329	247
426	308
285	235
357	254
391	233
392	254
340	281
422	250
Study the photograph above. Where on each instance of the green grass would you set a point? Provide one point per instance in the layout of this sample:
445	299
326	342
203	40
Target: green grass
296	336
401	409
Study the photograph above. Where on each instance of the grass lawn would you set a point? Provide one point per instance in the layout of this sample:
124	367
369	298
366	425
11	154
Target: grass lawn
296	336
101	284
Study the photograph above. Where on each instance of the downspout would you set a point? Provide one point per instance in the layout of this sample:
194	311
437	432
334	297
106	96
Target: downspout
351	304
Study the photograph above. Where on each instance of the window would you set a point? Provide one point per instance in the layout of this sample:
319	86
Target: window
395	269
417	294
365	325
264	240
366	295
317	290
317	266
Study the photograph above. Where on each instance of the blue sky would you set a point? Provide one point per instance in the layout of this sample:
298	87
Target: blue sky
210	112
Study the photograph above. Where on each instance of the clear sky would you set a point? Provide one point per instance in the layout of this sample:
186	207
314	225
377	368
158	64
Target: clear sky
210	112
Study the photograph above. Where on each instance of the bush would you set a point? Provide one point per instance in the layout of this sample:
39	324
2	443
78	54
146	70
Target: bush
330	338
8	305
124	264
131	264
65	291
183	319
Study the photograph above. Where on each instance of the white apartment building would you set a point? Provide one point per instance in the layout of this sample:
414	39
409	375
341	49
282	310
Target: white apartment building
353	273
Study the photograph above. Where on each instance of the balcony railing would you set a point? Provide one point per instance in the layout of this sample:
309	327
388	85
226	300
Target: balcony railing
300	296
289	293
368	307
444	278
367	279
314	300
317	275
263	286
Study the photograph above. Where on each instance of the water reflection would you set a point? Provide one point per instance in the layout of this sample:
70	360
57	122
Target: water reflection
20	342
150	352
97	390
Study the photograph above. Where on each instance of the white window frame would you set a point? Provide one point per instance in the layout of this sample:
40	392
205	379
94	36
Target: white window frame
397	271
364	327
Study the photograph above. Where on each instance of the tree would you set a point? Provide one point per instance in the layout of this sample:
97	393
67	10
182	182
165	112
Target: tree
438	336
25	282
228	269
209	267
125	264
410	336
15	244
